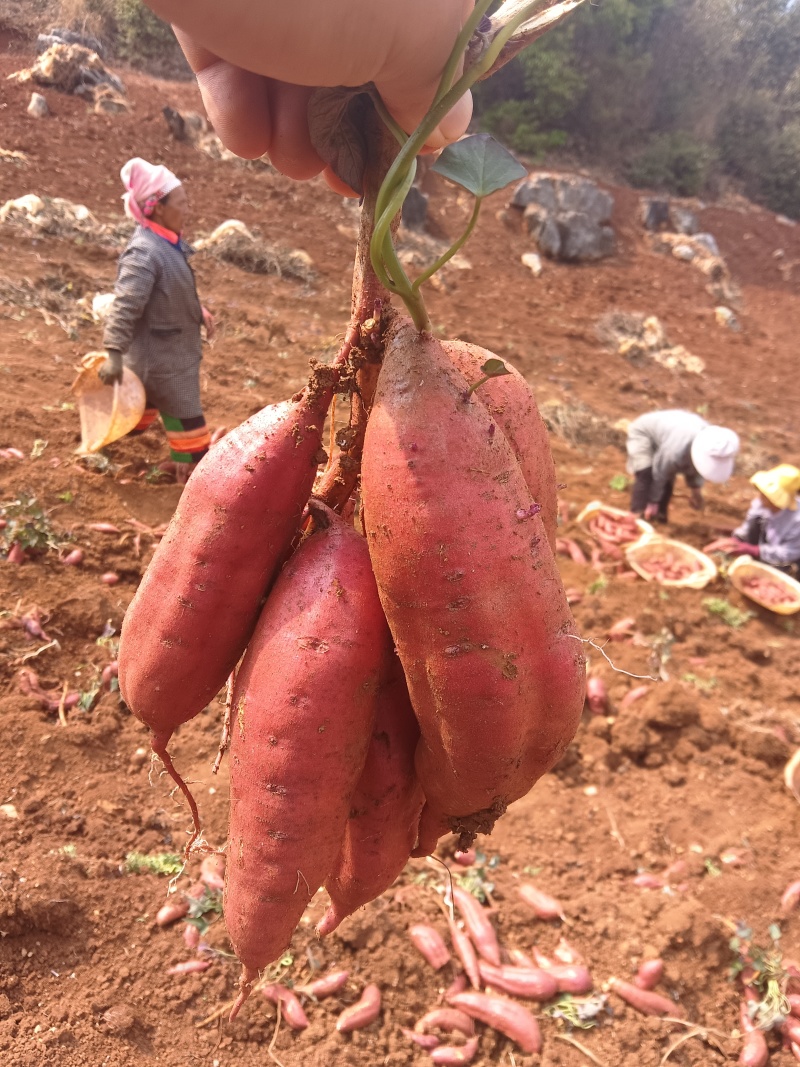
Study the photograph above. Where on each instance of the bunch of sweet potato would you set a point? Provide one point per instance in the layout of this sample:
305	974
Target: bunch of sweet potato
394	687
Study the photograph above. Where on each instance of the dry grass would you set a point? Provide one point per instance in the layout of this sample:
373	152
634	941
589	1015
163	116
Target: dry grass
579	425
258	257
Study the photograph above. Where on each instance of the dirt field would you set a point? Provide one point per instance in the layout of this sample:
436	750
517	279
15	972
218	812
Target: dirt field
688	772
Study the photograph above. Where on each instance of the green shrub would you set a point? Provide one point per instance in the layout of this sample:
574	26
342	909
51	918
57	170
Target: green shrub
674	162
513	123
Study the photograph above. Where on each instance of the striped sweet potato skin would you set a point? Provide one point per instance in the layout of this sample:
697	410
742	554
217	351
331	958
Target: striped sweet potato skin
470	589
512	404
198	602
302	715
382	827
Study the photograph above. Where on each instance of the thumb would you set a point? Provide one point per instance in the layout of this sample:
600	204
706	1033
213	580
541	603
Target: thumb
408	110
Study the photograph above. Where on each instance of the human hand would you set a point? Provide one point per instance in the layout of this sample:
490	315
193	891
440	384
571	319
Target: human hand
110	372
208	321
723	544
696	499
257	63
744	549
651	511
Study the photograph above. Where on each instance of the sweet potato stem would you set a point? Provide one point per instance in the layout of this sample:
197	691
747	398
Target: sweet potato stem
363	345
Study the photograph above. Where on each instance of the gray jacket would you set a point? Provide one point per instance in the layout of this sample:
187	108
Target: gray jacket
662	440
155	322
776	532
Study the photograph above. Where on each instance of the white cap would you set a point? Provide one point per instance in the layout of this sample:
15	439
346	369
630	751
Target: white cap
714	453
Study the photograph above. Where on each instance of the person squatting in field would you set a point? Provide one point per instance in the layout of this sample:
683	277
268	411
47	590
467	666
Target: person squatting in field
663	444
771	528
154	323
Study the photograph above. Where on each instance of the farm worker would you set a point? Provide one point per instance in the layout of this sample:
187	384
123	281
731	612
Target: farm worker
664	444
154	323
258	61
771	528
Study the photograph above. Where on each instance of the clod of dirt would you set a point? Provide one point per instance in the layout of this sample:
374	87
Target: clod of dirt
119	1019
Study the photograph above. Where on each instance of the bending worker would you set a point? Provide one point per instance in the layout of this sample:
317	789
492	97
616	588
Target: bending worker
154	323
771	529
664	444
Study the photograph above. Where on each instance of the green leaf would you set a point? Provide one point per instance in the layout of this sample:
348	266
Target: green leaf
479	164
495	368
774	931
337	121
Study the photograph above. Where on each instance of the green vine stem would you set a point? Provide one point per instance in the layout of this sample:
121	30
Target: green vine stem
448	255
401	174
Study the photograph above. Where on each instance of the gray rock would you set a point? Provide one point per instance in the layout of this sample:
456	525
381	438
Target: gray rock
684	252
567	216
38	106
583	239
583	197
549	238
709	242
539	189
415	209
683	220
63	36
654	214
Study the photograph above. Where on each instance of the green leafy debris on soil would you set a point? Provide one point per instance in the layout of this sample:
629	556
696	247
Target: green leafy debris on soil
705	685
578	1012
476	880
619	483
730	615
161	863
761	970
28	525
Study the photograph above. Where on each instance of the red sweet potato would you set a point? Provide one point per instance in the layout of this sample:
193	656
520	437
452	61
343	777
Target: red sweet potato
504	1015
325	986
532	983
362	1013
471	592
385	808
429	942
303	707
511	402
478	925
199	600
465	951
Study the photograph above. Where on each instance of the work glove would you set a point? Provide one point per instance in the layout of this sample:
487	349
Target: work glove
110	372
744	549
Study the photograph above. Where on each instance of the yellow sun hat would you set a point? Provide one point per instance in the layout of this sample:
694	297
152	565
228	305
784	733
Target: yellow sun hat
780	485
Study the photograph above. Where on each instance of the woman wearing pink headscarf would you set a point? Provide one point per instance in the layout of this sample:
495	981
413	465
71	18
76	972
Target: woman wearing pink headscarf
154	324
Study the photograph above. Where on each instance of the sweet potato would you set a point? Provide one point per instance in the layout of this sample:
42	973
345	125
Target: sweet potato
303	707
504	1015
643	1000
477	923
453	1055
511	402
291	1008
447	1019
325	986
532	983
362	1013
465	951
430	944
385	808
471	592
198	602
